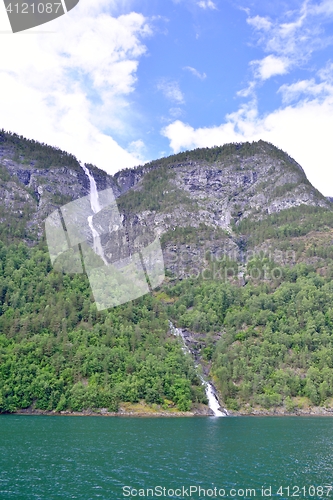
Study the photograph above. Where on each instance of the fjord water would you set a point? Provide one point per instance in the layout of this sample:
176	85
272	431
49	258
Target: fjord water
94	457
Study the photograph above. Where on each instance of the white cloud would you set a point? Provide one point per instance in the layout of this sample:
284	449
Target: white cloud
307	88
270	66
138	149
291	43
259	23
325	8
171	90
326	73
294	39
195	72
56	86
303	131
207	4
182	136
203	4
286	29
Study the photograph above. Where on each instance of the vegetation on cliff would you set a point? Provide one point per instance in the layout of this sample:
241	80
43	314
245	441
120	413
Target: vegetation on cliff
276	338
42	155
58	352
263	311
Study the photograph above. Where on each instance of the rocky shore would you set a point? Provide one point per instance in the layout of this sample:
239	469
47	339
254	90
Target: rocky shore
125	410
317	411
201	410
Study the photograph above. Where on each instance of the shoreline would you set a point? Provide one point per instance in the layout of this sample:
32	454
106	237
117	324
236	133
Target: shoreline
196	412
87	413
125	410
315	411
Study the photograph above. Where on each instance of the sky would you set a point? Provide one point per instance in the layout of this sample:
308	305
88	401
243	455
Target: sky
122	82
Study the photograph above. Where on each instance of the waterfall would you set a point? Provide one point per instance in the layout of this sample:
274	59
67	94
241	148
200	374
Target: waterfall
95	207
94	201
213	402
178	332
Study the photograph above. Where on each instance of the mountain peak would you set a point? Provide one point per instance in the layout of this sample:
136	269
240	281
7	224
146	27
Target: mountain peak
217	188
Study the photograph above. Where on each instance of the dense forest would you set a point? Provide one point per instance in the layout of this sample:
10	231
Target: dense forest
276	345
57	351
264	325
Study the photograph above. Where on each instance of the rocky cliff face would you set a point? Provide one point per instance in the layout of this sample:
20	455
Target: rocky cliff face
256	186
31	190
194	201
210	194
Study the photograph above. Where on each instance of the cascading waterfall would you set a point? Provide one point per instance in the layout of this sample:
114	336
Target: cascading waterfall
95	207
213	402
178	332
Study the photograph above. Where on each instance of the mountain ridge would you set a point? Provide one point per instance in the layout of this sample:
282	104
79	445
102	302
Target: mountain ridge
247	246
217	188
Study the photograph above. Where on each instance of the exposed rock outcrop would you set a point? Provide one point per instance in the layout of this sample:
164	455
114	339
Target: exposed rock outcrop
209	192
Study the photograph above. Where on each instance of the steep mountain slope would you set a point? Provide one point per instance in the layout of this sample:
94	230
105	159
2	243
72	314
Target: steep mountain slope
217	200
36	179
230	183
232	202
245	238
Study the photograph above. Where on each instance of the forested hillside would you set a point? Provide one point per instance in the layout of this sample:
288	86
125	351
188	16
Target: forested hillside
247	244
58	352
275	344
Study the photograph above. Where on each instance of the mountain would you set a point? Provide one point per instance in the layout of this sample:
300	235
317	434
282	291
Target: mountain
247	246
233	199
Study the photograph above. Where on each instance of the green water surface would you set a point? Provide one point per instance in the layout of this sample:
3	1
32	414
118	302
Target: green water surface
96	458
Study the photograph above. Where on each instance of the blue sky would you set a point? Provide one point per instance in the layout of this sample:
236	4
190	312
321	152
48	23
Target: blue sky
121	82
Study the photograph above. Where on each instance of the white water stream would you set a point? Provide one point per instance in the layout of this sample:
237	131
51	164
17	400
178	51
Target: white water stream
95	207
213	402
